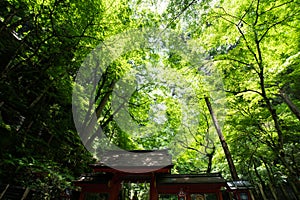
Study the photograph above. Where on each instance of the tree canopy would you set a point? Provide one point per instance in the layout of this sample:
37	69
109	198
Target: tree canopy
149	65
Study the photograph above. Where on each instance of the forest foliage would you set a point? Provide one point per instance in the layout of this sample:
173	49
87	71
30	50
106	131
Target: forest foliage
249	67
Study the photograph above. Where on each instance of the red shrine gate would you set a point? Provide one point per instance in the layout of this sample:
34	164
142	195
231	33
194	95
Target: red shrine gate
106	182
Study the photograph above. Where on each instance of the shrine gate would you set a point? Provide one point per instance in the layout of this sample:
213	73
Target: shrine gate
107	182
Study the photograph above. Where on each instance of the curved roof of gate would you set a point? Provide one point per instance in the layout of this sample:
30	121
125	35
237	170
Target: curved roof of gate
135	158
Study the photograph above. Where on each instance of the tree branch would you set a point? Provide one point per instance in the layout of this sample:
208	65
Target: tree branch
274	7
243	91
273	25
256	13
181	12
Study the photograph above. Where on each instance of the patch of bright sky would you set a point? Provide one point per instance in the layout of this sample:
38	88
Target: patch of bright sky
160	7
158	113
156	6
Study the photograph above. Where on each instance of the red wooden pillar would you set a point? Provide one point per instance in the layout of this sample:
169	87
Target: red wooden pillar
81	195
188	196
220	197
115	187
153	189
188	193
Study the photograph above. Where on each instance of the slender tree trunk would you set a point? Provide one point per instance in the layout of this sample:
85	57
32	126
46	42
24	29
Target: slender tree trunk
251	194
295	190
273	113
255	191
223	142
25	193
290	104
209	165
271	186
261	185
262	192
2	194
285	194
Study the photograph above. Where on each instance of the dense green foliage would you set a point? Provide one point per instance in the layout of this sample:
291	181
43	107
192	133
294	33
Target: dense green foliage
250	69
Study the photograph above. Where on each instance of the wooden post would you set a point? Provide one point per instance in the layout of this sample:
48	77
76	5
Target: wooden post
220	197
81	197
114	192
115	187
188	196
153	189
223	142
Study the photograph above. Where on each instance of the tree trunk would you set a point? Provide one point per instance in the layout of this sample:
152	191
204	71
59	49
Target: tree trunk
223	142
290	104
295	190
272	189
262	192
209	165
285	194
261	185
251	194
